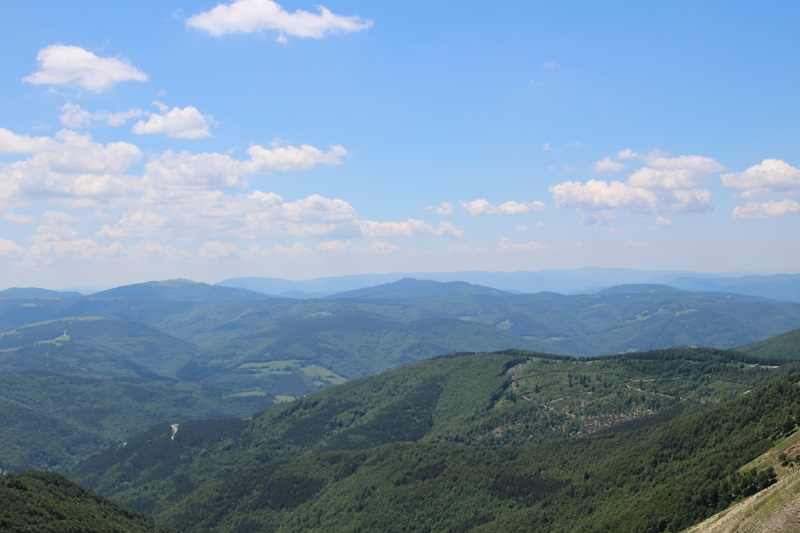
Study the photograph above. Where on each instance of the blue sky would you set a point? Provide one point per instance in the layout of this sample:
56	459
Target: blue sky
160	139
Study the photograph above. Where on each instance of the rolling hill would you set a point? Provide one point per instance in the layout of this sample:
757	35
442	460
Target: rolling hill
289	347
93	346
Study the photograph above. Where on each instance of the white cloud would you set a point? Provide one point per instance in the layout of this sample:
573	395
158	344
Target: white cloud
444	209
72	65
336	247
16	219
409	228
180	123
772	177
662	222
681	172
769	209
213	170
381	247
137	223
546	147
285	158
69	165
340	247
505	244
483	207
74	116
47	251
11	143
598	194
607	165
247	16
664	184
9	248
550	65
319	209
296	250
627	154
217	249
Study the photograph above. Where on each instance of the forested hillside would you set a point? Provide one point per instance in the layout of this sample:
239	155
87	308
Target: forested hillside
44	501
493	441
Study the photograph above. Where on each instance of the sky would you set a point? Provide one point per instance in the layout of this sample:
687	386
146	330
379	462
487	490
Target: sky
209	140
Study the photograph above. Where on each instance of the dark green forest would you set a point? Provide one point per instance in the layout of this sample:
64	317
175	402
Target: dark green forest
504	441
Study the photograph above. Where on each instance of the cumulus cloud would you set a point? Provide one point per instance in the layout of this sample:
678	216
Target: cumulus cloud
17	219
180	123
598	195
9	248
260	215
483	207
136	223
607	165
74	116
248	16
340	247
663	184
683	172
68	165
72	65
769	209
444	209
408	228
295	250
213	170
771	177
217	249
12	143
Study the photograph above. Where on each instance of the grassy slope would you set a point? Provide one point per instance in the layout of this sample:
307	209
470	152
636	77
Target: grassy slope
775	509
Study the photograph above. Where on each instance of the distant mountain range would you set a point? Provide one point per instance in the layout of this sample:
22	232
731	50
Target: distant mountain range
33	292
784	287
245	341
